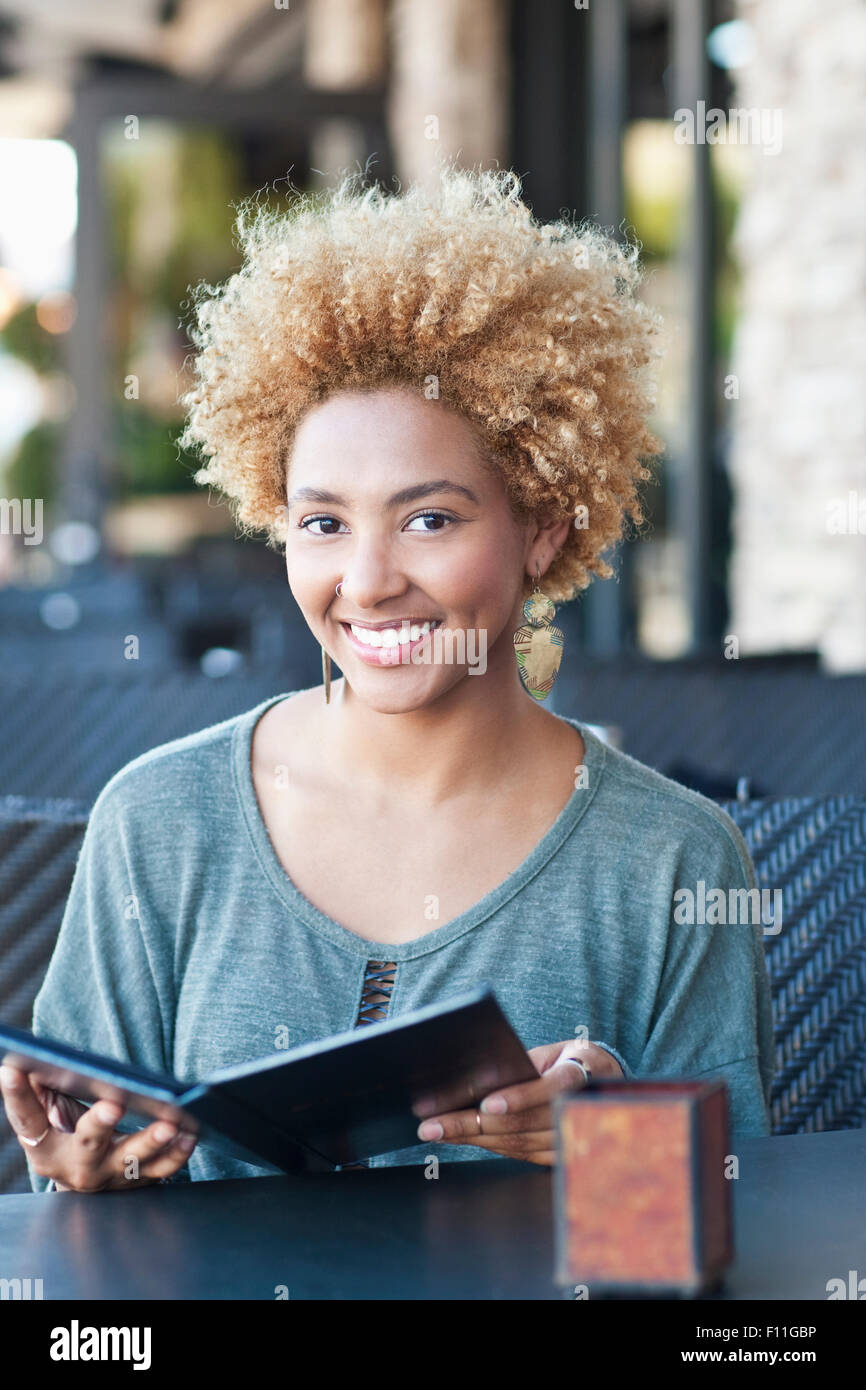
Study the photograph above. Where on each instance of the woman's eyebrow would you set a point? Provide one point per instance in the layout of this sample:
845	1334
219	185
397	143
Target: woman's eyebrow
405	495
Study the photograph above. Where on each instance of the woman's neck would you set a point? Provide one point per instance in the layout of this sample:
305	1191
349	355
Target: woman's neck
466	743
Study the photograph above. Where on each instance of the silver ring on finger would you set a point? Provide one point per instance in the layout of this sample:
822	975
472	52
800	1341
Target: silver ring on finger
33	1142
587	1071
478	1121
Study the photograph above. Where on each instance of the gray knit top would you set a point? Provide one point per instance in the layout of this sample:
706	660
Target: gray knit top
185	946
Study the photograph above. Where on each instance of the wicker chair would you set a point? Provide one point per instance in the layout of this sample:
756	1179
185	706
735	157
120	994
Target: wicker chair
814	850
39	844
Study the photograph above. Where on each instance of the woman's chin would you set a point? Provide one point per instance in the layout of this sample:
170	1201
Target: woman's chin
392	692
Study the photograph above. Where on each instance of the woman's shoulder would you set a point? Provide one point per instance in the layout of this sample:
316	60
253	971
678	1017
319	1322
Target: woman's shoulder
183	772
663	812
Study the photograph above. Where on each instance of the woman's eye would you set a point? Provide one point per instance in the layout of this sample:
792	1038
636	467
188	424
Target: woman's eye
330	525
431	516
327	521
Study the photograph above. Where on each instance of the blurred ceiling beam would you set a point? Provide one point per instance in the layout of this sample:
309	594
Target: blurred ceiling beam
233	42
238	42
450	85
131	28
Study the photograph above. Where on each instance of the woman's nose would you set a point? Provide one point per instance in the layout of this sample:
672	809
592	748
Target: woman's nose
370	577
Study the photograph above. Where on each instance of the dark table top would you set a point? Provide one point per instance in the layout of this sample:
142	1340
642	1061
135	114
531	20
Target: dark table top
481	1230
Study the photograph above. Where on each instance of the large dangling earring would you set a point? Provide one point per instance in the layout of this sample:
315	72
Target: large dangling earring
326	674
538	645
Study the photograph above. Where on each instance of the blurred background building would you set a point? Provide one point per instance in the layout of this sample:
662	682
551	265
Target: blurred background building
721	134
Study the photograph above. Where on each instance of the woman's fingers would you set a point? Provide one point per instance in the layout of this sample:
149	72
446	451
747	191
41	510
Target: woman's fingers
170	1157
63	1111
155	1152
597	1059
89	1155
142	1158
531	1148
101	1158
516	1120
562	1076
83	1164
528	1144
463	1124
25	1113
520	1144
94	1130
556	1062
543	1057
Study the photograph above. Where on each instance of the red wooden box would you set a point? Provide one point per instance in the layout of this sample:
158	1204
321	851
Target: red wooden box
642	1203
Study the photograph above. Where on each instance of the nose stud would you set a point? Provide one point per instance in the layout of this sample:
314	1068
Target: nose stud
339	588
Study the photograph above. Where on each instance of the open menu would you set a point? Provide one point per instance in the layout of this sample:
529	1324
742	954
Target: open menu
317	1106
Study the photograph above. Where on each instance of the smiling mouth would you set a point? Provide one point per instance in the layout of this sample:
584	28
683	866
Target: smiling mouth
392	634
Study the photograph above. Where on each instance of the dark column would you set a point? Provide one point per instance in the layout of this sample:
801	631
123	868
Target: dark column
606	600
693	481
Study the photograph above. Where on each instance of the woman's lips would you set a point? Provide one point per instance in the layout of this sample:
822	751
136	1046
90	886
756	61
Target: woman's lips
400	653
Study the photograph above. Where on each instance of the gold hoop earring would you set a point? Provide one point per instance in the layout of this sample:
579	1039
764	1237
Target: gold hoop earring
326	675
538	645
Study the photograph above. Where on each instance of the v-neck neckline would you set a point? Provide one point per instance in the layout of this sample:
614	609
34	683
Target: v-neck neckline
364	947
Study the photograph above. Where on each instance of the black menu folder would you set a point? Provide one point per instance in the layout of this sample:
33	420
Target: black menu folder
314	1107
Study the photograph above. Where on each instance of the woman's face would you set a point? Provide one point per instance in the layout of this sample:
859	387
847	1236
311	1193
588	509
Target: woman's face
387	496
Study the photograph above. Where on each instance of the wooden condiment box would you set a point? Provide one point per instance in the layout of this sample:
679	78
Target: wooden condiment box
642	1203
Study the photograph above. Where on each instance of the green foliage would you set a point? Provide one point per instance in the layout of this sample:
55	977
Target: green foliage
32	470
654	218
148	457
206	181
23	338
728	281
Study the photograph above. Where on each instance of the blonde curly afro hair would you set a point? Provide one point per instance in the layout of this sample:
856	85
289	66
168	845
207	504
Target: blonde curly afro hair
532	331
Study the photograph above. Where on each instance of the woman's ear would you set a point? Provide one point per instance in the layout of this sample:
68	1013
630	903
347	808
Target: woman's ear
558	532
548	540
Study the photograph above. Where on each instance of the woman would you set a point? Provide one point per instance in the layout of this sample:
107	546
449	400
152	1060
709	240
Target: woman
440	408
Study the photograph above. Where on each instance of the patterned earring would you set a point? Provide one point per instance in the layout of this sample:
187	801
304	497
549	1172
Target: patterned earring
538	646
326	675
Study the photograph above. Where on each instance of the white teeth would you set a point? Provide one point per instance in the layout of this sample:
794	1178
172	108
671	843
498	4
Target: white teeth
391	636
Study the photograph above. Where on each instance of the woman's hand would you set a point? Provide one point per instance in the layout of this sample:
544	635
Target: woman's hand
81	1150
517	1122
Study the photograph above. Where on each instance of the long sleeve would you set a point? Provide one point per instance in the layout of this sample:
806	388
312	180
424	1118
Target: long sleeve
712	1013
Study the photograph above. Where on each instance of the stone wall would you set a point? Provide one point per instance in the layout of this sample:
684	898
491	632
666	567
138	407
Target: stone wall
798	569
